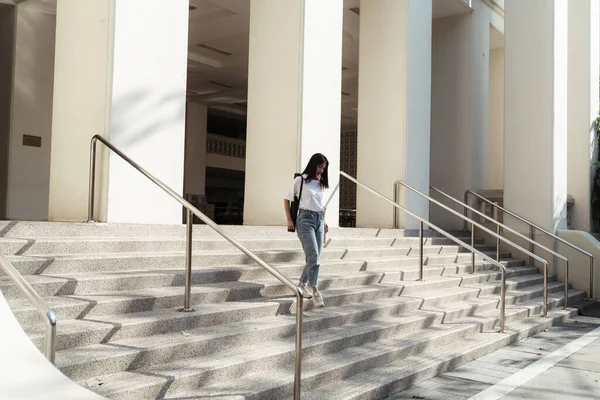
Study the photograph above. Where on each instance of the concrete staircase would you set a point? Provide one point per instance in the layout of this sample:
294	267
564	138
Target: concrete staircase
116	290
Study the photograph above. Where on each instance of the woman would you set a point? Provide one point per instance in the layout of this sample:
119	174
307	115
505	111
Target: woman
310	223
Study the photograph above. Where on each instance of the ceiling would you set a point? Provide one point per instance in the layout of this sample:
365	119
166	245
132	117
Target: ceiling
218	53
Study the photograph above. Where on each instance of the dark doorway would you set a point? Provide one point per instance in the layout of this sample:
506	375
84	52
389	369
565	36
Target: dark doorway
225	190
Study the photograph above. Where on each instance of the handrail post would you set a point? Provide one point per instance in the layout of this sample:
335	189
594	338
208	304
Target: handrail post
545	306
531	235
591	277
395	222
50	344
92	182
298	361
420	250
465	211
189	225
566	284
473	246
502	300
498	243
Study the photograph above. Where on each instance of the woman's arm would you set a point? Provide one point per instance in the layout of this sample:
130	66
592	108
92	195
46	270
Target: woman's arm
288	213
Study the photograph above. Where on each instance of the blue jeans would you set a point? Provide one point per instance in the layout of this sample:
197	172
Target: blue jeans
310	229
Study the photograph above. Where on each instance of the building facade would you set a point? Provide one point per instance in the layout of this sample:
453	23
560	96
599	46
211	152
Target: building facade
225	100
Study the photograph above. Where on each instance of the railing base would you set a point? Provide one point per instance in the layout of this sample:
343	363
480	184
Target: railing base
186	309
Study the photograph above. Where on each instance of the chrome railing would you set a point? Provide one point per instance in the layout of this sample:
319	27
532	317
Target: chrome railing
483	228
188	260
449	236
39	304
500	226
533	226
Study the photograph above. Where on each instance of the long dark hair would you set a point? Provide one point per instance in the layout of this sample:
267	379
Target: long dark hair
311	169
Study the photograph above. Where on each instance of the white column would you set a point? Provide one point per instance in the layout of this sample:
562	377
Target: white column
195	149
496	121
80	105
535	157
394	106
583	105
120	72
451	113
294	100
31	109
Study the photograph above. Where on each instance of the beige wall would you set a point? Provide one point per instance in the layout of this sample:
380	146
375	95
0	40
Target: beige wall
7	25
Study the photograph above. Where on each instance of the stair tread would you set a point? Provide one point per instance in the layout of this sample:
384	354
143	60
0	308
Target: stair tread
372	379
310	338
124	380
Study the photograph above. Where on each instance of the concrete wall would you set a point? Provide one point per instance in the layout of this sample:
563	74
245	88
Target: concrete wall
32	111
7	39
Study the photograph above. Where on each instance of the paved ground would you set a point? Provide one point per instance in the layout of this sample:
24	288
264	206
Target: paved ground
562	363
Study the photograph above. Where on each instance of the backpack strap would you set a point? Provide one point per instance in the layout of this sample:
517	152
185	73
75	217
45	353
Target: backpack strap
300	194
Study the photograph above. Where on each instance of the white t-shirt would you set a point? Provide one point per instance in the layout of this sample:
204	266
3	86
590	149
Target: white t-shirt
312	194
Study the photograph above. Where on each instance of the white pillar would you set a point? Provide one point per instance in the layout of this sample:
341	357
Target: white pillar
535	157
496	121
294	100
120	72
451	114
195	149
31	109
584	64
394	106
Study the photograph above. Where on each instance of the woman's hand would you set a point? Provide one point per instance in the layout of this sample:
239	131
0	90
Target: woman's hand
326	227
290	224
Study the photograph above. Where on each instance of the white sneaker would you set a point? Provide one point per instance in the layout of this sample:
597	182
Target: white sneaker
307	294
318	299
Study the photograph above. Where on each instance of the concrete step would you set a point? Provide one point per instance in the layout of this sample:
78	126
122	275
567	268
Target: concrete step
56	264
395	376
357	325
451	280
454	260
101	282
93	245
333	351
432	299
104	328
464	270
34	229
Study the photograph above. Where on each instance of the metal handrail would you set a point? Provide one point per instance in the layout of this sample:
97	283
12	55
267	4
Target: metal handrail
193	210
539	228
449	236
496	235
511	230
40	305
